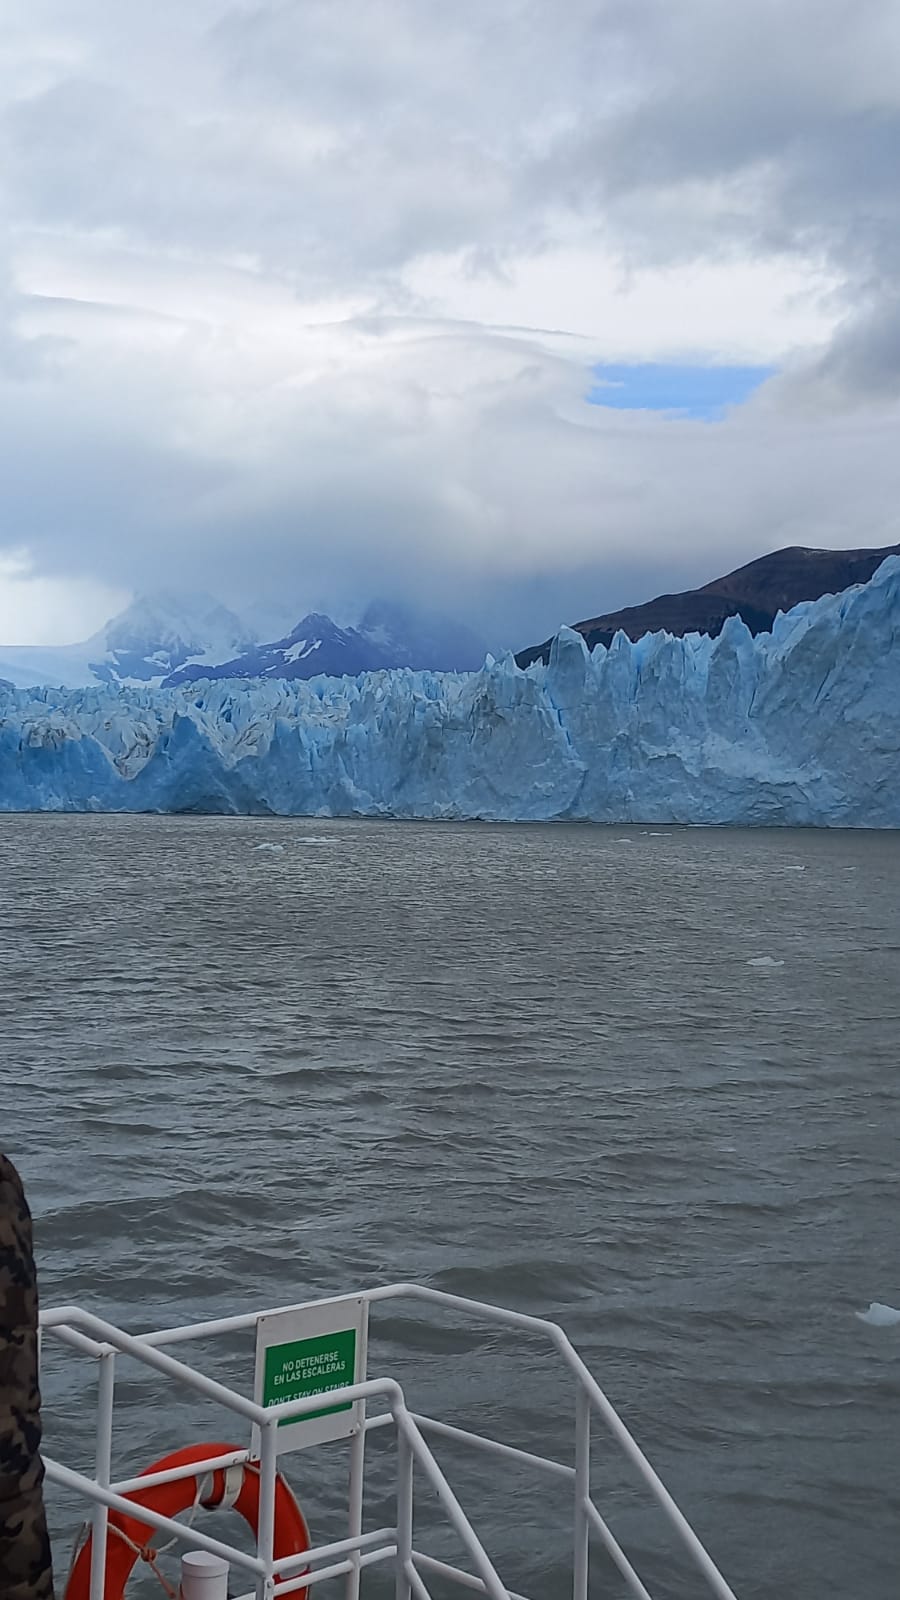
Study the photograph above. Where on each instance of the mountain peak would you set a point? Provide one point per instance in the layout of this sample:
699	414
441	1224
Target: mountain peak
389	635
192	622
170	636
162	630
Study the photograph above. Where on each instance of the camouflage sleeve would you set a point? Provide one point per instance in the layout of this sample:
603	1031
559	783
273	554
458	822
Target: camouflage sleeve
25	1568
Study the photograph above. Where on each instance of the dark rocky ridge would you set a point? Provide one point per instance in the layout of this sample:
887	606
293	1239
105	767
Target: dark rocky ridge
756	592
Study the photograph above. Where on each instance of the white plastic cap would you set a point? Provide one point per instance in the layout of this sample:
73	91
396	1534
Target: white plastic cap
203	1576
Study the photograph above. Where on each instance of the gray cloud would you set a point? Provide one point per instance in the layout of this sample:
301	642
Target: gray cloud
184	181
861	365
770	124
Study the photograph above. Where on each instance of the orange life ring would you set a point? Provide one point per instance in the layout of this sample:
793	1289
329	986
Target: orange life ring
129	1537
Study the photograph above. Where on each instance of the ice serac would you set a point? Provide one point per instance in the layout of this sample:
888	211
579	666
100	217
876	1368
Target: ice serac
798	726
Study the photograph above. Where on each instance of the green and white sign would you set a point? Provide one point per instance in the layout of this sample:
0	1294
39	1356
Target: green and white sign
312	1350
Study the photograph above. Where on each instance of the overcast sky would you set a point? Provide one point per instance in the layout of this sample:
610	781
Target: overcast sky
340	298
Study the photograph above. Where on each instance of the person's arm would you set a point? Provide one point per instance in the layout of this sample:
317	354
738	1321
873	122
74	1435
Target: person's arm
25	1567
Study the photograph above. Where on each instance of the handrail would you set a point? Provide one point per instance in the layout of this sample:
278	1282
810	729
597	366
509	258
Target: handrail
92	1335
598	1399
58	1473
467	1580
150	1480
263	1416
454	1510
446	1430
617	1553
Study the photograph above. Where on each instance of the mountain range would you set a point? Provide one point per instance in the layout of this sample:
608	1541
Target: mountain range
164	639
168	639
798	727
388	635
755	592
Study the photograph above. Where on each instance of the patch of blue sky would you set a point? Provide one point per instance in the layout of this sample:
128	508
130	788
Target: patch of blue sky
704	392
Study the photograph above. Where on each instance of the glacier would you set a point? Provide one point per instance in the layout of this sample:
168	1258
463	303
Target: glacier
800	726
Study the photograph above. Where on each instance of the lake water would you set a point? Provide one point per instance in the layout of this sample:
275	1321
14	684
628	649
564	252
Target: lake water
644	1082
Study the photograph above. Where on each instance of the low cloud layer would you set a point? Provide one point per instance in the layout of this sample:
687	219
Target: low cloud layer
309	298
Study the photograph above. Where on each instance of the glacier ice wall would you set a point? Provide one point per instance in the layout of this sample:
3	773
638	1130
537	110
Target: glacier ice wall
800	726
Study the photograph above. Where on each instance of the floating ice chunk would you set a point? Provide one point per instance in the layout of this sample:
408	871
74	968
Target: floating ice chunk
273	847
879	1316
764	961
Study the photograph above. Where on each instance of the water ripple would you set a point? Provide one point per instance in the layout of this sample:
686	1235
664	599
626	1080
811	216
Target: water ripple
523	1063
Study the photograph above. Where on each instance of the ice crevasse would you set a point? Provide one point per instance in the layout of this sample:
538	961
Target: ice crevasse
800	726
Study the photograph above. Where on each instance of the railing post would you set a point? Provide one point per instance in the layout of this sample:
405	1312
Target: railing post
203	1576
265	1543
403	1590
106	1383
582	1531
355	1521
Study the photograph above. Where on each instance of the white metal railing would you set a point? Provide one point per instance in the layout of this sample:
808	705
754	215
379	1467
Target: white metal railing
348	1557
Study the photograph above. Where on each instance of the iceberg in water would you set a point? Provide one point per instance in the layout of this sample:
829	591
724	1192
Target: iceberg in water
799	726
880	1316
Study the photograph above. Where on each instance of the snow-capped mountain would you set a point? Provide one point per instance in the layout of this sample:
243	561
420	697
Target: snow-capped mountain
172	638
144	644
389	635
161	632
315	646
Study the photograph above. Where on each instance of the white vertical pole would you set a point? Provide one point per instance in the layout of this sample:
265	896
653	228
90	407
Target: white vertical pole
265	1543
355	1520
203	1576
106	1383
582	1493
403	1590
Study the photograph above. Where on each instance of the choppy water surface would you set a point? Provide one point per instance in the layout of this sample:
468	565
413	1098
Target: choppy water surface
643	1082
